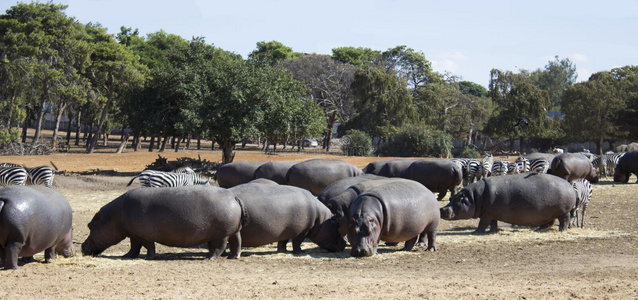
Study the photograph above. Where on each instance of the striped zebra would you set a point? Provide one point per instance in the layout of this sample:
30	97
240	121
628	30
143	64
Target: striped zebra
522	164
152	178
606	163
474	167
184	169
9	165
463	164
539	165
487	166
500	167
42	175
13	176
583	196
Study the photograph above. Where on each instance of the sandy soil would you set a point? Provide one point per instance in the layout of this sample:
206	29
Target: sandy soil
600	261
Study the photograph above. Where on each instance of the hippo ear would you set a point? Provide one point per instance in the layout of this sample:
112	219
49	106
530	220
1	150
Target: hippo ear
329	206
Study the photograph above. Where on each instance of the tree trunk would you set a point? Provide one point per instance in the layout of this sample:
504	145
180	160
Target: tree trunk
13	97
124	139
136	141
68	135
173	142
106	140
25	126
43	101
77	130
522	145
177	145
163	146
199	143
152	144
188	142
58	117
105	112
227	151
599	145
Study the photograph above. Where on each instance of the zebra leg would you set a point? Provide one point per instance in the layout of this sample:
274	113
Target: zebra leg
582	221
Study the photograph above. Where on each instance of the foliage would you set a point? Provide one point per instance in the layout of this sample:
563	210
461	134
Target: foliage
557	76
384	103
272	53
418	141
8	135
360	57
410	66
356	143
470	153
471	88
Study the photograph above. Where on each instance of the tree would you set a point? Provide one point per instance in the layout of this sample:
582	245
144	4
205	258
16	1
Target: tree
329	83
113	68
521	108
359	57
272	53
557	76
384	103
592	108
410	66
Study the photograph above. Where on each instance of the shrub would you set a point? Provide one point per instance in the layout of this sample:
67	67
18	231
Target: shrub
356	143
470	153
418	141
8	136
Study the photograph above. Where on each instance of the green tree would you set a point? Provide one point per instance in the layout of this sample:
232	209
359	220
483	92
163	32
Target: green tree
272	53
557	76
359	57
410	66
113	68
384	103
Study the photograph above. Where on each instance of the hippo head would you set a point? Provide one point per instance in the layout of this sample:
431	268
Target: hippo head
592	176
461	207
363	234
328	237
65	247
104	233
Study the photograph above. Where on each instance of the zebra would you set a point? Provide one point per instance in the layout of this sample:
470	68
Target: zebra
583	196
184	169
9	165
463	164
500	167
152	178
474	168
539	165
606	163
487	166
42	175
13	176
522	164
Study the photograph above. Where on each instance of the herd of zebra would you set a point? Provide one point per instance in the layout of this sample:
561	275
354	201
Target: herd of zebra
13	174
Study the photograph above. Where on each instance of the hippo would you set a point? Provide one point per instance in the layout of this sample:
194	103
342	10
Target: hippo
339	204
436	174
401	211
570	166
530	199
274	170
278	213
388	168
341	185
183	216
536	155
316	174
34	219
236	173
627	165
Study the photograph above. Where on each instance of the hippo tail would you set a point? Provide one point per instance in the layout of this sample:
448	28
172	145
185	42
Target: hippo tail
131	182
244	213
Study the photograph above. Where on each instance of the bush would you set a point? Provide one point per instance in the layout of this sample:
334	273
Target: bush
356	143
470	153
418	141
8	136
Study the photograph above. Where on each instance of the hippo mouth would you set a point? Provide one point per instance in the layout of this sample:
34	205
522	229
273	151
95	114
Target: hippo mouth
87	249
447	213
363	249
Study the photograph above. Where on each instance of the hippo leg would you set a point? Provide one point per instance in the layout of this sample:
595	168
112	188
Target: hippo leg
11	255
134	252
27	259
281	246
549	224
441	195
484	222
431	241
296	243
422	235
563	222
216	248
49	253
235	246
409	244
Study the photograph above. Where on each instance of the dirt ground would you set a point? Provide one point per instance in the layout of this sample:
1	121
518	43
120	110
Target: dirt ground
600	261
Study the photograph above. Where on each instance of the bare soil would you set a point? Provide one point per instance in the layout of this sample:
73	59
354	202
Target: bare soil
600	261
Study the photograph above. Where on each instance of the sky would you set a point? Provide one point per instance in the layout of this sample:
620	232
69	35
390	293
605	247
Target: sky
463	37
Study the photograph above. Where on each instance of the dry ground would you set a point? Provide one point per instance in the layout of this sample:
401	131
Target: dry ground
600	261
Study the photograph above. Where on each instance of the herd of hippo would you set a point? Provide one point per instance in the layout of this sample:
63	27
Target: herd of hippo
325	201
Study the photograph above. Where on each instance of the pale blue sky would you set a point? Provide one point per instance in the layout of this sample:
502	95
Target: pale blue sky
466	38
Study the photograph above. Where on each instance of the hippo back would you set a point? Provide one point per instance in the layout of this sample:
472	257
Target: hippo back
436	174
627	165
316	174
274	170
236	173
343	184
570	166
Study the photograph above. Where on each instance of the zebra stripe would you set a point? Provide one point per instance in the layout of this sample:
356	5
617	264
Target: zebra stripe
539	165
462	163
183	170
487	166
9	165
500	167
152	178
523	164
42	175
13	176
583	196
606	163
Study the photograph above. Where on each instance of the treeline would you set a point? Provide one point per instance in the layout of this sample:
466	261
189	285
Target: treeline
164	86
